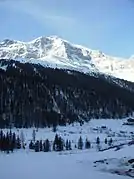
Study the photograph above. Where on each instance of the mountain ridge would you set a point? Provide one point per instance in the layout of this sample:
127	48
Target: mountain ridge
55	52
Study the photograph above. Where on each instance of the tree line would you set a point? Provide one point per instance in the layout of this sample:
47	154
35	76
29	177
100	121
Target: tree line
9	142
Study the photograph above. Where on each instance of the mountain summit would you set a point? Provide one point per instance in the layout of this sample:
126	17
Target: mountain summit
55	52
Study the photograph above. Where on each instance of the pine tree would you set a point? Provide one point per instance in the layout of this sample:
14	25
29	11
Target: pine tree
98	140
55	143
98	143
31	145
11	147
105	140
22	139
60	144
1	139
10	135
69	145
34	135
80	143
7	143
14	142
41	146
110	142
1	134
75	146
37	146
3	143
54	127
87	144
47	145
44	146
18	143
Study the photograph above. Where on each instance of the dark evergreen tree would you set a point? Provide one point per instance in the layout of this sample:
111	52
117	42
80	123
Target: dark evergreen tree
14	141
110	142
34	135
60	145
47	145
55	143
1	134
98	140
18	143
7	142
105	140
75	146
87	144
69	145
80	143
44	146
1	140
41	146
37	146
31	145
54	127
10	135
4	143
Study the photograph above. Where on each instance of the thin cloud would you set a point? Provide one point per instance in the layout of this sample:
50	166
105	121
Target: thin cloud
41	13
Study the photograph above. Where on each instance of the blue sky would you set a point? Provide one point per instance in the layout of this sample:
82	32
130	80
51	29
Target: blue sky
107	25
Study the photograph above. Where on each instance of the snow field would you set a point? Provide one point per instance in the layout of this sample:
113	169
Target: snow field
75	164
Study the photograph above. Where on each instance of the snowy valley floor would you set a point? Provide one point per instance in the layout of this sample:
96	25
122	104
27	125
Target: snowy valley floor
75	164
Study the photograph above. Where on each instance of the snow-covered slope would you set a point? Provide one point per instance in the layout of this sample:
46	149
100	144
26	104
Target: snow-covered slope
54	52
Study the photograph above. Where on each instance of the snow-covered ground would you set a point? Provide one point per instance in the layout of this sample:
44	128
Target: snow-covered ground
75	164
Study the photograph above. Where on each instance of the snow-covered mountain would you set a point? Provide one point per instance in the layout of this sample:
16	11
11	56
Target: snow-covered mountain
55	52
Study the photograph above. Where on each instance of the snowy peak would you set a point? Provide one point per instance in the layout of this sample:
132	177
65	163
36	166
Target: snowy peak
56	52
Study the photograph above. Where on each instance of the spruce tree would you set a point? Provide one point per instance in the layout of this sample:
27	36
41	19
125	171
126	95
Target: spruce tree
4	143
105	140
1	134
1	139
37	146
87	144
22	139
98	140
60	146
56	143
18	143
75	146
7	143
10	135
44	146
34	135
31	145
47	145
98	143
80	143
14	142
110	142
41	146
69	145
54	127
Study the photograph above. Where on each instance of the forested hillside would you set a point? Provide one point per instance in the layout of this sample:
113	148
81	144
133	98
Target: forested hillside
31	95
